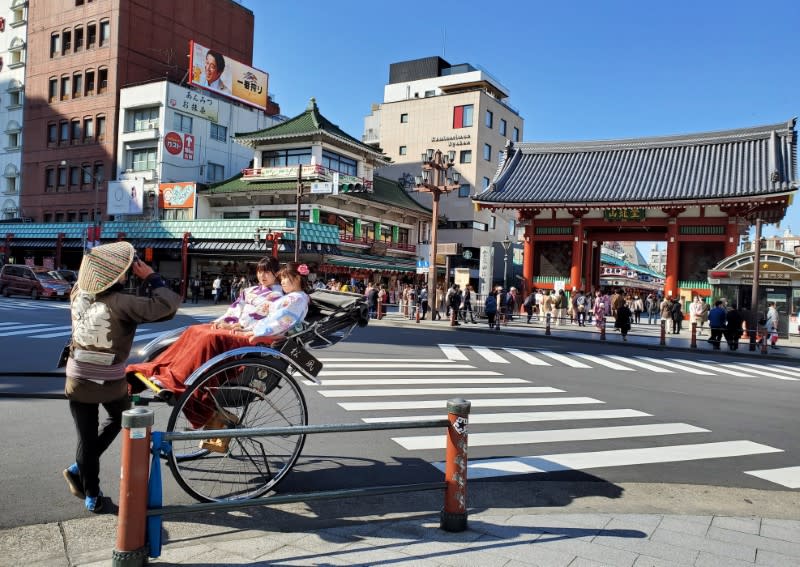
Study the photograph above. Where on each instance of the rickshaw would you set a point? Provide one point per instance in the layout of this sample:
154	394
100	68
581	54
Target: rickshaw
251	387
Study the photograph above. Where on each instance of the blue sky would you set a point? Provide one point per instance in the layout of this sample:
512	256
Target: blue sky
576	70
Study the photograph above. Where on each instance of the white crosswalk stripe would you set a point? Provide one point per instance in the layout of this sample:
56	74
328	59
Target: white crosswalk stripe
639	364
411	381
564	359
476	403
602	361
523	417
711	368
529	358
787	476
452	352
31	304
683	367
23	329
489	354
772	372
457	391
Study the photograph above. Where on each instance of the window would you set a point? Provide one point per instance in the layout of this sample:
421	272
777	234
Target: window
74	176
403	150
503	126
78	39
338	163
86	169
66	42
71	216
102	80
101	128
404	118
13	140
14	98
489	118
429	94
487	152
219	133
77	85
89	83
465	156
88	128
91	35
492	223
105	32
143	159
52	133
59	217
75	131
215	172
63	129
47	217
55	45
52	90
182	123
49	179
145	119
516	135
65	90
486	182
463	190
278	158
62	176
462	116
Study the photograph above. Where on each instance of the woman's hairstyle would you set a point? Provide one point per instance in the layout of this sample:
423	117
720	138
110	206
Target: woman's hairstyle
268	264
296	270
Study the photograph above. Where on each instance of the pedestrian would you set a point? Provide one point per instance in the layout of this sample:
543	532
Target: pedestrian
772	325
441	303
651	305
704	313
455	303
547	305
195	290
600	307
580	308
622	321
528	304
490	308
665	310
423	300
560	305
638	307
677	316
467	299
216	289
717	323
695	313
104	321
733	327
372	300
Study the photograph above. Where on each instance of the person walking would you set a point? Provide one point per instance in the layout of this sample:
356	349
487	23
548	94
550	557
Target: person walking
466	304
665	310
580	308
638	308
676	313
717	323
695	312
216	289
423	300
195	290
455	303
772	325
528	304
622	321
651	304
104	321
490	308
600	310
733	327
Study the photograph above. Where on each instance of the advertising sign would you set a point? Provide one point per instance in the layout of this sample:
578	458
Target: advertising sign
193	102
176	195
188	147
173	143
485	271
461	276
215	72
126	197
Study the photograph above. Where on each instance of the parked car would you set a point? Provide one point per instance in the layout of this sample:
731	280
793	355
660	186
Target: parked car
33	281
71	276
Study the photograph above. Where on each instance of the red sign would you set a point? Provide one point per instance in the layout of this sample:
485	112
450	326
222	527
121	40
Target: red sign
173	142
188	146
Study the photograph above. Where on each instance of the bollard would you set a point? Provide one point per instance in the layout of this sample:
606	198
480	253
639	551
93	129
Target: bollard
693	344
417	309
131	548
764	341
603	329
547	324
663	340
380	310
454	514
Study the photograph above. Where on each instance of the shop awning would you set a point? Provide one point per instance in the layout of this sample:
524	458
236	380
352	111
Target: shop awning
370	263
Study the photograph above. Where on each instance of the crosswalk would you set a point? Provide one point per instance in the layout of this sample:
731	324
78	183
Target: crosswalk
11	304
393	390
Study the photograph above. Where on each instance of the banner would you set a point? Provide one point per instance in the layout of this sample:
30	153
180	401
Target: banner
126	197
485	272
215	72
176	195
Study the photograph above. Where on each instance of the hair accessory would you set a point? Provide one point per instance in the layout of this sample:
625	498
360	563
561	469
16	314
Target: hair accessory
302	269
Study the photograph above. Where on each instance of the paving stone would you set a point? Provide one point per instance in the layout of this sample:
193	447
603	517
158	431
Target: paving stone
694	525
711	560
647	561
759	542
581	562
646	523
253	547
455	554
773	559
787	530
534	554
595	552
659	550
744	525
688	541
290	555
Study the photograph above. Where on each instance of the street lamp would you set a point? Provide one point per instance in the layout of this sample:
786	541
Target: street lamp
506	246
97	180
437	178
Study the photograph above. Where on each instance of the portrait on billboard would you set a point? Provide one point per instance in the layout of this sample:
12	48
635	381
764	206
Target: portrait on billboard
216	72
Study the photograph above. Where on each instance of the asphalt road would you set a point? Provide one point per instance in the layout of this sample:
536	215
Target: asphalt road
635	415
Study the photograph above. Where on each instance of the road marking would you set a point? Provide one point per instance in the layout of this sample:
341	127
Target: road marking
688	369
602	361
502	438
410	381
639	363
486	468
563	359
523	417
408	372
712	367
406	364
788	477
489	354
793	370
68	331
426	360
480	403
25	329
9	323
762	371
529	358
438	391
452	352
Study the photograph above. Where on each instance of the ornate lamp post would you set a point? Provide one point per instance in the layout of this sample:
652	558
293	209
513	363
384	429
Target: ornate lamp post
506	246
437	178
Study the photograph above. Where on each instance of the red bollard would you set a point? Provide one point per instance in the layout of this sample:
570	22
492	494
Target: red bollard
663	340
547	325
454	514
693	344
131	548
417	309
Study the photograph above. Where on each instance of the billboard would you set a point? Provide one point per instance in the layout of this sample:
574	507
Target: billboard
193	102
176	195
126	197
211	70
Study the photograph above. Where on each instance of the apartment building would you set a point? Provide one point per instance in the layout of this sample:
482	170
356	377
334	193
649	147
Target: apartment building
429	103
80	54
13	55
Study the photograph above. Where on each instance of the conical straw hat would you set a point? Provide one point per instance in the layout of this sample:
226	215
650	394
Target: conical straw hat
103	265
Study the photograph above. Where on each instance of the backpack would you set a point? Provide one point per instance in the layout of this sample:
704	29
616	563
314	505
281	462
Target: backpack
491	305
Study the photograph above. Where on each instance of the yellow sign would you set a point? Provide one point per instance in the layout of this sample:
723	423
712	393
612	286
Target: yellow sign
215	72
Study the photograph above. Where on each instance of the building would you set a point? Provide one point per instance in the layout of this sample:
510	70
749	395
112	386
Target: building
658	258
429	103
13	57
171	138
80	54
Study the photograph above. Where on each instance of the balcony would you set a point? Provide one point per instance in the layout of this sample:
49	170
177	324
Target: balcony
150	133
364	242
310	173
